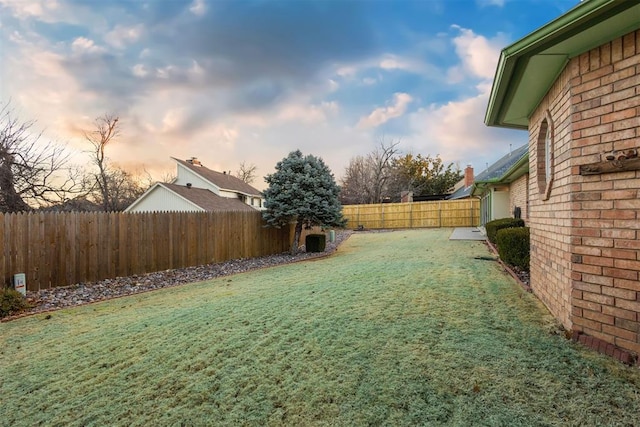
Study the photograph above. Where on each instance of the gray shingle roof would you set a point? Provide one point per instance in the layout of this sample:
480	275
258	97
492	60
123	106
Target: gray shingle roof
502	166
461	193
224	181
208	200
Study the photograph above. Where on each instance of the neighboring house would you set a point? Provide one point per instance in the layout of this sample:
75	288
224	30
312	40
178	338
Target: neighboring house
462	190
198	189
501	188
574	84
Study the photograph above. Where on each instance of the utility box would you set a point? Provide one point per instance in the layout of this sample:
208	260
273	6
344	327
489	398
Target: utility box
316	242
20	283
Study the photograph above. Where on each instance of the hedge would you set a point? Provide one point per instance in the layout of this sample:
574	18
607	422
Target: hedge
513	246
492	227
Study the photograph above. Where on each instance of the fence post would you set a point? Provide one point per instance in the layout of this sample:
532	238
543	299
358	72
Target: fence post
411	214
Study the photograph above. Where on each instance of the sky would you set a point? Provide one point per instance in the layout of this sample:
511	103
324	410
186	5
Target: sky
250	81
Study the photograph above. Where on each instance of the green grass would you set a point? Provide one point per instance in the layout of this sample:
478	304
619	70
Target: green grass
402	328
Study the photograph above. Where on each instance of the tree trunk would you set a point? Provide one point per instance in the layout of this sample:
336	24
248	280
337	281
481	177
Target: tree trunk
10	200
296	237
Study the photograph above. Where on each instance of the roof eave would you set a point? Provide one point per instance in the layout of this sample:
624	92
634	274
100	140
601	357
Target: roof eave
514	59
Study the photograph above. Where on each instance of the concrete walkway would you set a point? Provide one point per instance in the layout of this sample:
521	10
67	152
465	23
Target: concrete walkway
468	233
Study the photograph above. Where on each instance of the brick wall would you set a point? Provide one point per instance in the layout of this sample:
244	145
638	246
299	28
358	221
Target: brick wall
585	239
550	219
518	195
605	88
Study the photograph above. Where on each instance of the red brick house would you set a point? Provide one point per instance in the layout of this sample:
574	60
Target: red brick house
574	84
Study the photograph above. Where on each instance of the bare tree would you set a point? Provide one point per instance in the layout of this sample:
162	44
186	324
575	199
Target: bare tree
247	173
355	185
366	178
124	187
33	173
112	187
380	161
106	130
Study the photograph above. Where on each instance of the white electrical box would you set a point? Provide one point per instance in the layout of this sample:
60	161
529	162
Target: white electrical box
20	283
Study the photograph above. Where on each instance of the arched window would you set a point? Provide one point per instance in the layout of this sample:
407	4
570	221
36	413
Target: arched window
545	156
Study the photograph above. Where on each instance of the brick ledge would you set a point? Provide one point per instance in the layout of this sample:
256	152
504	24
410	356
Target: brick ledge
601	346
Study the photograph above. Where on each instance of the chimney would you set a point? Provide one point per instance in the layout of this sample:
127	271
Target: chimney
188	185
468	176
406	197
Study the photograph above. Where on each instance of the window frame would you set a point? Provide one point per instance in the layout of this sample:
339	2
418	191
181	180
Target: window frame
545	156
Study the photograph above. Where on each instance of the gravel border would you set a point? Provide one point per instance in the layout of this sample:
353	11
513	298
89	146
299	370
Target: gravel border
86	293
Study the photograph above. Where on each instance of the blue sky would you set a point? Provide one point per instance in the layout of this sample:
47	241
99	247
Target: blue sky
233	81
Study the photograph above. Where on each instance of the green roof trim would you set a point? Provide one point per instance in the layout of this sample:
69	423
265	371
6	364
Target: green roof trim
527	68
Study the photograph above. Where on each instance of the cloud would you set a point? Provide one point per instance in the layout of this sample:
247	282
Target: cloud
198	7
83	45
121	35
24	9
395	62
308	113
485	3
249	56
478	55
383	114
139	70
229	81
456	131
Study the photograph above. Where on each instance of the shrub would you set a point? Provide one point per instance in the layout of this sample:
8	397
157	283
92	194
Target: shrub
513	246
11	302
492	227
315	242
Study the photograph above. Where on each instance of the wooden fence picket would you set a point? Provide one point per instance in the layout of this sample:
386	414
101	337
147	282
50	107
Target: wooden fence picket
58	249
445	213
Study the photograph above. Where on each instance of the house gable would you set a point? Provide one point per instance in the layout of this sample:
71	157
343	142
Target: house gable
224	182
188	176
159	198
182	198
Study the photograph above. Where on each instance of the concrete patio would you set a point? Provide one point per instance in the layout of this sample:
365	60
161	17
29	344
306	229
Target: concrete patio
468	233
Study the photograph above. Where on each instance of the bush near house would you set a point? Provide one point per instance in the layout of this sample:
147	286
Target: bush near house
492	227
11	302
513	246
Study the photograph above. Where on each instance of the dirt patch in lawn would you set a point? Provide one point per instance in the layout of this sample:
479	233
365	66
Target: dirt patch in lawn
402	328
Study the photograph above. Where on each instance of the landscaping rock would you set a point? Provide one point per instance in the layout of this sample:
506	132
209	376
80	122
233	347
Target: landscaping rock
85	293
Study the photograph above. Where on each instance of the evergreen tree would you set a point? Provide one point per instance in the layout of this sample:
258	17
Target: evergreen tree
302	191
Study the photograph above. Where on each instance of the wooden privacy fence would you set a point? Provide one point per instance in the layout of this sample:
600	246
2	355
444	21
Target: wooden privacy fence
57	249
445	213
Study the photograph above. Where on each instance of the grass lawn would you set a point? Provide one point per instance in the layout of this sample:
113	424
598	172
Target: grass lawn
402	328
